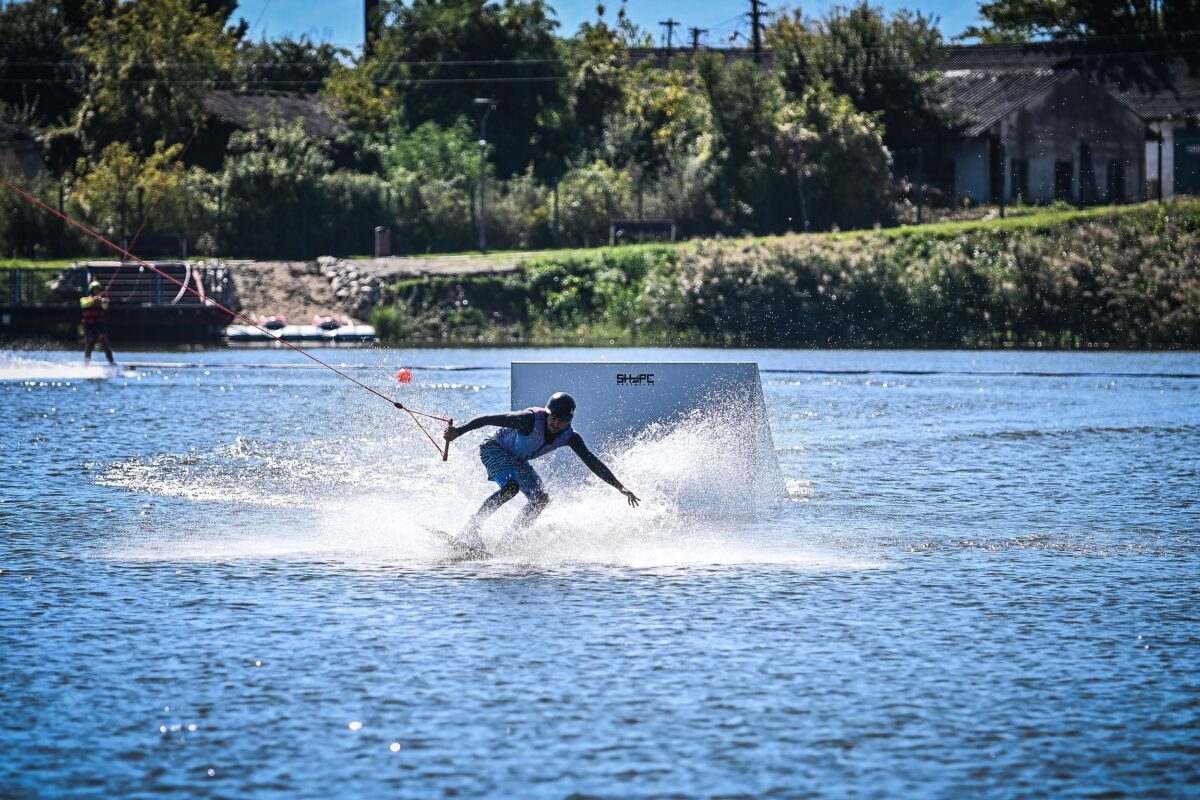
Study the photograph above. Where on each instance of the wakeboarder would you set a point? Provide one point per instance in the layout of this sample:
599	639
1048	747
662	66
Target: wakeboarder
524	436
95	308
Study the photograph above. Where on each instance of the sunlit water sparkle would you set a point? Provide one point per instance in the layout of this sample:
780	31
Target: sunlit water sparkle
222	581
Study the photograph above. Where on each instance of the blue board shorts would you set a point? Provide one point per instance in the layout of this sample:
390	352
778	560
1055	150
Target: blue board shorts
502	467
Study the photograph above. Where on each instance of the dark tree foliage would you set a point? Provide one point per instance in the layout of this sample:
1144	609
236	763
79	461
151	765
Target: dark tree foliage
39	72
440	55
1023	20
149	65
883	65
598	69
745	100
293	65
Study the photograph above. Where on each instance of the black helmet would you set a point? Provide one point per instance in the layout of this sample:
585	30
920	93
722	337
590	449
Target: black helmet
561	405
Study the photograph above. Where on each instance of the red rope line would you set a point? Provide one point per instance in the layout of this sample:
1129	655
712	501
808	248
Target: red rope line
411	412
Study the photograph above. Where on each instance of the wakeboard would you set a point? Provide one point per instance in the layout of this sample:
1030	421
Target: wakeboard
458	549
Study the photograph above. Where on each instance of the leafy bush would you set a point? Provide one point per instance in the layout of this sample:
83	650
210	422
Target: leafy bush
1128	279
173	199
29	231
434	172
590	197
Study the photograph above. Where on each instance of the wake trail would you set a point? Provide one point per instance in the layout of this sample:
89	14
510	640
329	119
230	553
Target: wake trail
710	496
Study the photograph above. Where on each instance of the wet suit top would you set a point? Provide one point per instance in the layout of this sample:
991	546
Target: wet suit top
93	309
525	422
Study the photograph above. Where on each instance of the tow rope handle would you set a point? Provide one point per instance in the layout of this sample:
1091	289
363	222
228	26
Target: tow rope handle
445	451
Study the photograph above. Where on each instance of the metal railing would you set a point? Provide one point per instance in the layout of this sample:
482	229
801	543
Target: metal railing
128	285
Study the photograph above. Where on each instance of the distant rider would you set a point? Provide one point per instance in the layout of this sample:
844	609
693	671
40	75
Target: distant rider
526	435
95	307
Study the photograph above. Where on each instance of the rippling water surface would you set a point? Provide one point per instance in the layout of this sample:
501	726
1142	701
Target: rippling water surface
219	580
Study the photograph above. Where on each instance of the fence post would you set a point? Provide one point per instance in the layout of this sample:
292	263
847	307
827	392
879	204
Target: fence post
217	231
920	183
124	228
62	224
383	245
557	229
1002	176
1160	167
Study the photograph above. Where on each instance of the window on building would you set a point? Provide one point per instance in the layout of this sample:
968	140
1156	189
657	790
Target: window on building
1063	174
1019	178
1116	182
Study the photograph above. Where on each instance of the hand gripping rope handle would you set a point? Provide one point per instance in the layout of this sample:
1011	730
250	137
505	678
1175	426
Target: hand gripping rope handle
445	452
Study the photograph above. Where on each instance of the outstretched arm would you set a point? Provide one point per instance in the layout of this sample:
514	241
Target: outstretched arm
521	420
599	468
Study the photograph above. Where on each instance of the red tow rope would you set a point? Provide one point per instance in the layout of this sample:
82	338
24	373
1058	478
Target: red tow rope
443	451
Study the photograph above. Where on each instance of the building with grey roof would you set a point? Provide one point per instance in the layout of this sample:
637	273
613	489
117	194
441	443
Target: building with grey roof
1155	78
1038	135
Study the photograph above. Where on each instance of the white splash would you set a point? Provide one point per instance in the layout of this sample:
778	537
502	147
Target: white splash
711	492
18	368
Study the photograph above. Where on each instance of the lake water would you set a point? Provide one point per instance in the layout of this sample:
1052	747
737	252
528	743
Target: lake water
982	582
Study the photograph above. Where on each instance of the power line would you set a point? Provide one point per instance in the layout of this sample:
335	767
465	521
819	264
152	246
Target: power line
259	17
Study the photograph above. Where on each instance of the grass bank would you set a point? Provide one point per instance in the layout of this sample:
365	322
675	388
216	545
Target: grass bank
1101	277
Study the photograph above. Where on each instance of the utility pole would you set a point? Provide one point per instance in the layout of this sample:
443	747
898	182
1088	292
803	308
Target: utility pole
756	9
669	24
696	34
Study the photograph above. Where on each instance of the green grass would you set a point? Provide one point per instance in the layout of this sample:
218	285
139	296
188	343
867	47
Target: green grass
47	264
1023	218
459	254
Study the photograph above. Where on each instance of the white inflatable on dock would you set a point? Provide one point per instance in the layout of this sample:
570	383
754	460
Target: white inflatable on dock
324	329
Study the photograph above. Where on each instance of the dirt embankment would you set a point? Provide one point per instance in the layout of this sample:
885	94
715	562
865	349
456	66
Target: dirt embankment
293	289
300	290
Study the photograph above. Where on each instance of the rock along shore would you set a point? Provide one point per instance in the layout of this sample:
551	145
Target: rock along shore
351	288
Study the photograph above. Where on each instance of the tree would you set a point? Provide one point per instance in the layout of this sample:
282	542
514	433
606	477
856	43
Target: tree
839	158
744	102
105	192
591	195
598	66
272	182
659	114
883	65
149	65
368	107
1025	20
433	171
39	68
662	135
440	55
294	65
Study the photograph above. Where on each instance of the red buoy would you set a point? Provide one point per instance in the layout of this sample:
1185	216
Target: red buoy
404	375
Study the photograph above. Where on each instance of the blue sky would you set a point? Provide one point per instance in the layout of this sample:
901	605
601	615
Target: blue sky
341	21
